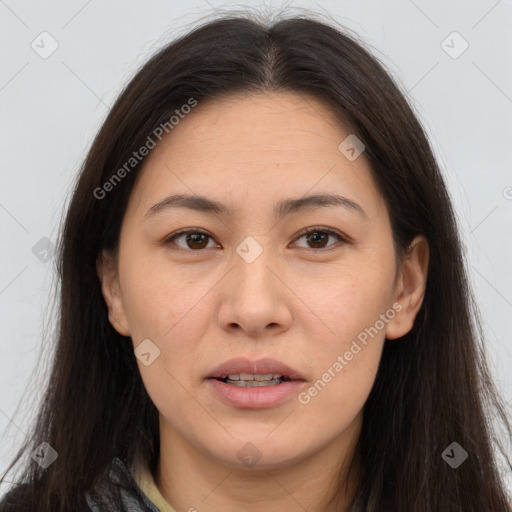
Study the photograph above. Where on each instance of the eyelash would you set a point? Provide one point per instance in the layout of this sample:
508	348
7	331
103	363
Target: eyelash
301	234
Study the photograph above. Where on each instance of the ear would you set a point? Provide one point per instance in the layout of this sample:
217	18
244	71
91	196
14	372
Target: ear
410	288
106	268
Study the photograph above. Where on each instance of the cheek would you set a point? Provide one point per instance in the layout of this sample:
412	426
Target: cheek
349	297
347	361
175	322
354	310
159	299
162	305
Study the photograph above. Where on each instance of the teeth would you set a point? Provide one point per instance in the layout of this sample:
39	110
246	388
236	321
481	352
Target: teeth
253	383
253	377
248	380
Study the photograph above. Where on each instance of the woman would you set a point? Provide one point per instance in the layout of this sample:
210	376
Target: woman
263	299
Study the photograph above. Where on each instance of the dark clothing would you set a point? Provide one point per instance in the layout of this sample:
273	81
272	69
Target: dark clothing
124	495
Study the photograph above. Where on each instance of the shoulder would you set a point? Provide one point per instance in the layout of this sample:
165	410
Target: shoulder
116	490
20	499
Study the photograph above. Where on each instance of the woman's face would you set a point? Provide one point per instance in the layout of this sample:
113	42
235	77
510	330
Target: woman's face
247	292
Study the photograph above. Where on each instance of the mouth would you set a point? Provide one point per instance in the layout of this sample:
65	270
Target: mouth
264	383
243	372
247	380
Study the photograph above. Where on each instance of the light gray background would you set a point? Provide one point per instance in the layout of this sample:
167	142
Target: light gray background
51	108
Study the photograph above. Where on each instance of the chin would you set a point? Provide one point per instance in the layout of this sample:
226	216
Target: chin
259	451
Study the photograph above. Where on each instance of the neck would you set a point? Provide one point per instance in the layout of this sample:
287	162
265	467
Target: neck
191	480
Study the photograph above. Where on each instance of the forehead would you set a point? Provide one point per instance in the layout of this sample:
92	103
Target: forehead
276	122
252	144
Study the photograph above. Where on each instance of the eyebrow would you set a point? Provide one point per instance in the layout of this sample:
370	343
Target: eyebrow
281	209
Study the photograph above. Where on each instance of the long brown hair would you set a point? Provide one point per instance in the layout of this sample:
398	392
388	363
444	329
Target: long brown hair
433	387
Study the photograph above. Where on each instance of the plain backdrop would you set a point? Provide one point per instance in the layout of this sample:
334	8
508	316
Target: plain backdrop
51	105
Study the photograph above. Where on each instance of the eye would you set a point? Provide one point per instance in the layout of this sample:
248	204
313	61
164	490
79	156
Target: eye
317	237
194	239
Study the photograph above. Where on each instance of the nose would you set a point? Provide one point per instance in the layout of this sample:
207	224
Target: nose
255	300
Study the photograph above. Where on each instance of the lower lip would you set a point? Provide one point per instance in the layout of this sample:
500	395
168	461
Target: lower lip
257	397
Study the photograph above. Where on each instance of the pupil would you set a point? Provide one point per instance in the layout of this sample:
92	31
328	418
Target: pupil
317	238
196	238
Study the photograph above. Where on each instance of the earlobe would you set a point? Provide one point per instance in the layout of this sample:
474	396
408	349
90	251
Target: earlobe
410	287
108	276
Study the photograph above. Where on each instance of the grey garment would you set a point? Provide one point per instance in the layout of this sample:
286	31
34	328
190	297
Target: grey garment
116	491
128	497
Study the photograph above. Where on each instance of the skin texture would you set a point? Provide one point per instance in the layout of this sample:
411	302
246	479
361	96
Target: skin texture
297	303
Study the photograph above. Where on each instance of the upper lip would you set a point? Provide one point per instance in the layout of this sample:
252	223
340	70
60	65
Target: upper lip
259	367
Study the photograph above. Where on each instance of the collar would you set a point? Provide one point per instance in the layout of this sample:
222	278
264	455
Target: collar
146	482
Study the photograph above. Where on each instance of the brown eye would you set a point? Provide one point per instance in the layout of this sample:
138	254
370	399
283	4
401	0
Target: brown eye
196	240
193	239
318	238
